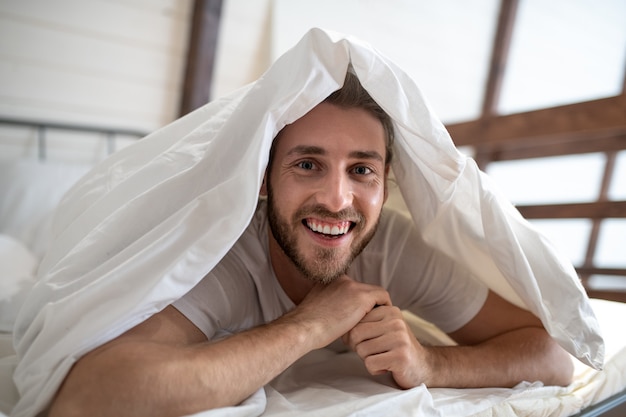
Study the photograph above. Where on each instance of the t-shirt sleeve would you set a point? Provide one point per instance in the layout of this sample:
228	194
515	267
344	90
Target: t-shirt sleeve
426	281
217	304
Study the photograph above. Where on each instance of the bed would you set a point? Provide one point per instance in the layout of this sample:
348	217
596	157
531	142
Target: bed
33	178
322	383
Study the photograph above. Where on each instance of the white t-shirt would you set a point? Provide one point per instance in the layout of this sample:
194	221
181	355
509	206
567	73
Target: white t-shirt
242	291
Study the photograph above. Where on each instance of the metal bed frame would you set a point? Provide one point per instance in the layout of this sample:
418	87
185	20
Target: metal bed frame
42	127
614	406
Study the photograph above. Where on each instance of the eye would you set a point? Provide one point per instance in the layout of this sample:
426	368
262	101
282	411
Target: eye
362	170
306	165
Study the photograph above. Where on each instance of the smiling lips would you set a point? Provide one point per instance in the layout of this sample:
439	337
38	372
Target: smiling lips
332	229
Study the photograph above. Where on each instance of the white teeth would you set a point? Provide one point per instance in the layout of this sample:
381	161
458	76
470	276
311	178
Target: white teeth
328	230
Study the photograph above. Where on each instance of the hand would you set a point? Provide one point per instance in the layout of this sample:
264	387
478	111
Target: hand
334	309
386	344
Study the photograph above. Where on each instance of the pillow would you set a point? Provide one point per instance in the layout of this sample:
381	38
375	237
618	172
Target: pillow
17	276
30	192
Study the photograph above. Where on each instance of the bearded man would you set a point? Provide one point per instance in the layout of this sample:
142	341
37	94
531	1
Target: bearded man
322	263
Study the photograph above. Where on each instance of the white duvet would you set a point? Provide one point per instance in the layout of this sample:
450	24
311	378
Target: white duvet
328	384
143	227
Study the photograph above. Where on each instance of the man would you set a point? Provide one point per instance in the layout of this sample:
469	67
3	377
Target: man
320	261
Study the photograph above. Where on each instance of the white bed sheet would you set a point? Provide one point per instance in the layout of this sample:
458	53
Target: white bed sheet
312	383
331	384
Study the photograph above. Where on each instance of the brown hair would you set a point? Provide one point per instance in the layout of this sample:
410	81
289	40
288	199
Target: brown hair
353	95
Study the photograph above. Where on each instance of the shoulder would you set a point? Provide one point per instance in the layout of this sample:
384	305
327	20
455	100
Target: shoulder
252	247
233	276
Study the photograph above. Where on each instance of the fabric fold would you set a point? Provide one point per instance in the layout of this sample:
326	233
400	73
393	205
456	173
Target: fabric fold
142	228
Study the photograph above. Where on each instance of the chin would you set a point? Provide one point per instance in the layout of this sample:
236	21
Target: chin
327	266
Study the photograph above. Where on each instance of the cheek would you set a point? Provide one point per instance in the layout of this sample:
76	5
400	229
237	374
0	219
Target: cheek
287	198
373	198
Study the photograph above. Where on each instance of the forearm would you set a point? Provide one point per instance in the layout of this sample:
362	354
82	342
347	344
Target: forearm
527	354
138	378
164	367
246	362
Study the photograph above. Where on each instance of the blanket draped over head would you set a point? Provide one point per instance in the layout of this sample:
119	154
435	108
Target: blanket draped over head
143	227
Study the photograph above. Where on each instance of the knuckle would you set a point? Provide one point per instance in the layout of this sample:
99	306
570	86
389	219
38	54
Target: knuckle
404	355
397	325
371	363
360	351
353	338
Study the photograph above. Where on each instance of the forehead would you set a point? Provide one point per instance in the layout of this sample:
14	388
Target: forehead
334	130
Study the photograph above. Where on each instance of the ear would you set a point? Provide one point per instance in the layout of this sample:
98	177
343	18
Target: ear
263	190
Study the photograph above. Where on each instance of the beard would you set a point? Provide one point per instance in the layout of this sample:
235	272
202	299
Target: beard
326	264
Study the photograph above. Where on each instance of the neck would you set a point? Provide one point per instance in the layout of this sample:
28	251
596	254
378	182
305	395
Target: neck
295	285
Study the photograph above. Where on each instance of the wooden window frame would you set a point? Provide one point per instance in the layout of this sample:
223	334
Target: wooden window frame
592	126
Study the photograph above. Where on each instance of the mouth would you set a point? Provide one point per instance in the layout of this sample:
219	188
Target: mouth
331	230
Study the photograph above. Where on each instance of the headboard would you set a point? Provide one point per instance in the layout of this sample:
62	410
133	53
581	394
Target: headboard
41	130
38	164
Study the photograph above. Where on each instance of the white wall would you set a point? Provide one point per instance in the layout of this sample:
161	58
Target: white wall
243	49
116	63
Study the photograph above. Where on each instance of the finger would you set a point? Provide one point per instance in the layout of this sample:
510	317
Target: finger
374	294
376	323
382	312
379	363
386	354
360	333
392	329
374	346
341	305
382	298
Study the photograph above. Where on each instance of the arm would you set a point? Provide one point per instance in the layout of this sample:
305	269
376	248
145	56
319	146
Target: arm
501	346
165	366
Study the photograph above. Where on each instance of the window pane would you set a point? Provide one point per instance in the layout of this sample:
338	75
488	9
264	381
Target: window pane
569	236
607	283
564	51
617	191
611	250
562	179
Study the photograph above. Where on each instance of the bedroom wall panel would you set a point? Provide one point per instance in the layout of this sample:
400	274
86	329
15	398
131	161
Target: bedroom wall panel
149	24
96	56
243	46
89	100
108	63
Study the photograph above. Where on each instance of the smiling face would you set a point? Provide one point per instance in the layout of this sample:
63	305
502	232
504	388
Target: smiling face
326	187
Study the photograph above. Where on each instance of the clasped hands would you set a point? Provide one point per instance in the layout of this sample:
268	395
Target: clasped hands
385	343
367	322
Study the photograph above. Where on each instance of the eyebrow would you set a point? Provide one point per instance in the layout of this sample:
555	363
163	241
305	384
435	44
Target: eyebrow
306	150
316	150
367	155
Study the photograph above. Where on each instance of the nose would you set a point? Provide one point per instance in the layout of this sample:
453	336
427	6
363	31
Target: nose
335	192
